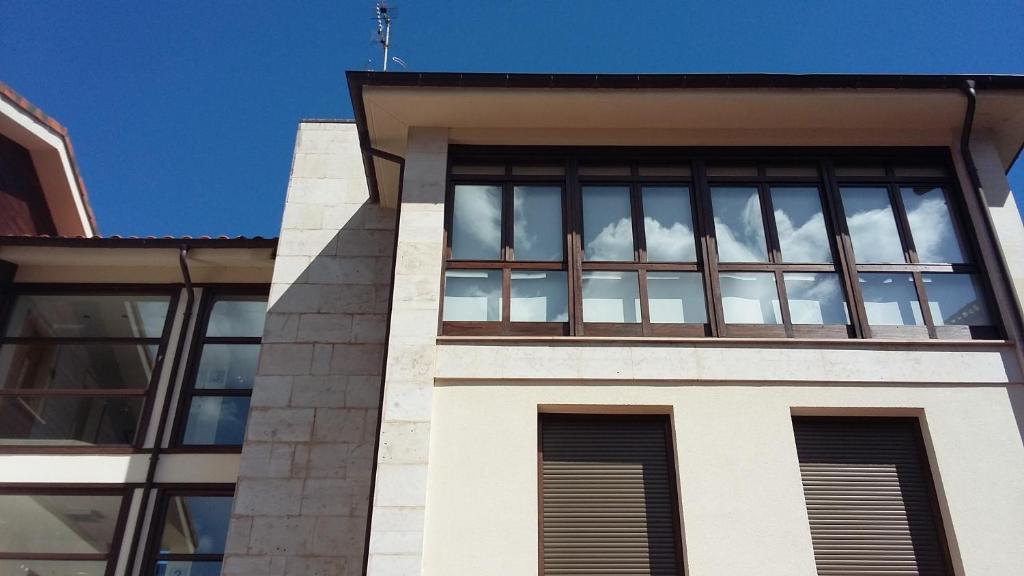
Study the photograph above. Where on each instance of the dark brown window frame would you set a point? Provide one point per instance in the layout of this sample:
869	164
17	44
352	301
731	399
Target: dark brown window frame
822	158
148	393
164	494
111	557
212	293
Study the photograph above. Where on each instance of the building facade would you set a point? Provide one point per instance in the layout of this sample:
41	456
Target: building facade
554	324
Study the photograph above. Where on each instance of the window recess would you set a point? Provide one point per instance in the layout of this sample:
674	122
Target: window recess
77	365
797	243
608	503
870	498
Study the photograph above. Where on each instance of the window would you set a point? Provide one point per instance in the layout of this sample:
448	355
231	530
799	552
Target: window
870	499
815	243
190	531
608	500
76	367
506	266
915	272
223	366
60	531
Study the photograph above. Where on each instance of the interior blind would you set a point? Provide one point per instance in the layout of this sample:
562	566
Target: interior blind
869	497
607	497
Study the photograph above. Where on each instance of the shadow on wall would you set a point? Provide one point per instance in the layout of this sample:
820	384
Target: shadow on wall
1016	393
306	469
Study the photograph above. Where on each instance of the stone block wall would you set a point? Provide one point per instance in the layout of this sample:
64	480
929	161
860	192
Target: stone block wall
304	483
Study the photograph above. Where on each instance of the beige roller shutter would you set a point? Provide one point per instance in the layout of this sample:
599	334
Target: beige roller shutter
608	500
870	499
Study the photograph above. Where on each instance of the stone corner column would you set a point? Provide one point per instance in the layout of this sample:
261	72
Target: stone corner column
399	499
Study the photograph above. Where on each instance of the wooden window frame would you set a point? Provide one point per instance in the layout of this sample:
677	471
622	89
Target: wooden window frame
148	393
912	265
699	183
111	557
164	494
211	295
507	263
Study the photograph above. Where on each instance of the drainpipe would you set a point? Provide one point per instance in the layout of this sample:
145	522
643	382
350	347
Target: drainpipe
972	173
154	457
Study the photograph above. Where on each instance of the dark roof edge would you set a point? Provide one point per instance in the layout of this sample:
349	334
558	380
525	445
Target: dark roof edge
637	81
21	102
117	242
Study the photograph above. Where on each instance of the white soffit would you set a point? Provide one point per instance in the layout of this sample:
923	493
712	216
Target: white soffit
689	116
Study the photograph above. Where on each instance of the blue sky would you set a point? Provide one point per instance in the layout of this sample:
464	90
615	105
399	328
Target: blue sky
183	114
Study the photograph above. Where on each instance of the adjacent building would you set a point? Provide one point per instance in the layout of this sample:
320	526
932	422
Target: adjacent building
547	324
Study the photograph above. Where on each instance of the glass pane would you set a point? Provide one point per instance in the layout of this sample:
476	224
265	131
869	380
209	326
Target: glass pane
58	523
890	299
855	170
49	364
474	169
604	171
68	420
931	225
956	299
538	223
668	224
607	224
472	295
241	317
230	366
750	298
815	298
739	229
792	170
538	170
913	171
801	225
187	568
476	223
681	170
611	297
676	297
539	296
195	525
53	567
872	225
216	420
88	316
732	170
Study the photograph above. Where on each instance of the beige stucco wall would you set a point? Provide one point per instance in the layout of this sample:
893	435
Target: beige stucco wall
731	403
741	498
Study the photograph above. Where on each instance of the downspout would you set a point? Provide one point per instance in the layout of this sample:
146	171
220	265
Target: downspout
154	457
972	173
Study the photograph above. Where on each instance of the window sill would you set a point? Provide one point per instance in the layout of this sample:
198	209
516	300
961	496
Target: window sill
851	343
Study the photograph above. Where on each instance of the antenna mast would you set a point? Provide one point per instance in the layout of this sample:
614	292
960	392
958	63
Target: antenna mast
384	29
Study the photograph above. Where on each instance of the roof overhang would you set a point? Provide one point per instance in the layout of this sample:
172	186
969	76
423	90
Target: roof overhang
138	260
48	143
675	110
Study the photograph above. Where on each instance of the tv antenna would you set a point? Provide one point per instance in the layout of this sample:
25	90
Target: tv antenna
384	29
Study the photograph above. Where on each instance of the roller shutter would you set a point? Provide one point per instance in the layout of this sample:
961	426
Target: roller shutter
870	499
608	500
